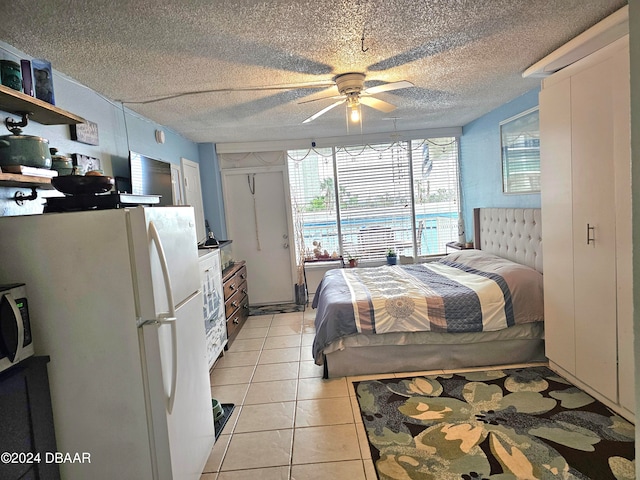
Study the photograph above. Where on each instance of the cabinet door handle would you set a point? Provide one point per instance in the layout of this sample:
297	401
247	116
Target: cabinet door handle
232	286
236	321
234	304
591	237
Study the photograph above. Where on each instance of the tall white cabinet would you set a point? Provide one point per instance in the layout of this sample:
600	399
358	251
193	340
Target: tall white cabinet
586	218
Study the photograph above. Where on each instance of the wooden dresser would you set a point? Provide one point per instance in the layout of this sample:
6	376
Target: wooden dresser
236	299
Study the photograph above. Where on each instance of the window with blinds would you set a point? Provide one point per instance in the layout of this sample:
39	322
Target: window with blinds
360	202
520	141
313	201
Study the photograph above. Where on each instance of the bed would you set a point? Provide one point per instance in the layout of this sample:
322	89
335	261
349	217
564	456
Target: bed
475	307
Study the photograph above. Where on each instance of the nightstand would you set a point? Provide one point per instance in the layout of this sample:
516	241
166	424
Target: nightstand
458	246
338	262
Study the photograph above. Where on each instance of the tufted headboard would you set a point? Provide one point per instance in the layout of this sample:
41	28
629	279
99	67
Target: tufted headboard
511	233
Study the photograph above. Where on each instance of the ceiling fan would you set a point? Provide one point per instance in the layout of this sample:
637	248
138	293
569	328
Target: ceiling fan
350	87
352	92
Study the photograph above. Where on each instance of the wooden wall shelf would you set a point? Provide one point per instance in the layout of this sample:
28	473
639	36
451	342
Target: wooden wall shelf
18	103
24	181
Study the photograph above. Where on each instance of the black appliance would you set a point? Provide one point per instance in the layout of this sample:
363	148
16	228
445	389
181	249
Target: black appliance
15	328
74	203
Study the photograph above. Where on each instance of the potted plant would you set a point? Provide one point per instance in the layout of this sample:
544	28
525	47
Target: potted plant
392	257
353	261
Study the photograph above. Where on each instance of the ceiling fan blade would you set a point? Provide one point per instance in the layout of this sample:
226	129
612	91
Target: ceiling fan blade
289	86
377	104
323	111
333	97
387	87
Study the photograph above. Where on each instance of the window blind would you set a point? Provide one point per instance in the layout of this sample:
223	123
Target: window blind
521	169
436	194
362	201
374	188
520	139
313	201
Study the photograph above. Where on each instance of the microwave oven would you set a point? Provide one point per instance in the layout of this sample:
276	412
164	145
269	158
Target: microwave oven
16	343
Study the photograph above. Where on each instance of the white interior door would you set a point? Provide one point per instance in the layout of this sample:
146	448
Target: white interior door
176	184
193	194
257	222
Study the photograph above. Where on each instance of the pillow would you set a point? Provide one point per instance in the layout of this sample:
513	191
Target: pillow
525	283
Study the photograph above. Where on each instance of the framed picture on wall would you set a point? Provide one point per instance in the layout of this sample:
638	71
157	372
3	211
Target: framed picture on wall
43	80
85	163
520	146
86	132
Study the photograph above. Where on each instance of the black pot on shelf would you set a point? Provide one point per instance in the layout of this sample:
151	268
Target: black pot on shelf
82	184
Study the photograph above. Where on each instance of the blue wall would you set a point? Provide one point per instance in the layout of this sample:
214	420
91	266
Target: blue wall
481	162
212	190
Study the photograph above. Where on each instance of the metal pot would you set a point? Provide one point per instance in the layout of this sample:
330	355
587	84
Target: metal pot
26	150
63	165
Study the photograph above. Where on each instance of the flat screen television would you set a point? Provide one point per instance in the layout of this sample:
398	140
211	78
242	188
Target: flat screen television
150	176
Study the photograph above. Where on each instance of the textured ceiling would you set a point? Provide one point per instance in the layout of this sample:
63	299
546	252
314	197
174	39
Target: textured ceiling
465	57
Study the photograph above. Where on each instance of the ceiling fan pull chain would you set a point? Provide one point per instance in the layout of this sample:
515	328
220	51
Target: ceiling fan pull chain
363	49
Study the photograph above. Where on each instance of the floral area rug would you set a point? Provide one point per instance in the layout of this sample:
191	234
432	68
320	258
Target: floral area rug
524	423
271	309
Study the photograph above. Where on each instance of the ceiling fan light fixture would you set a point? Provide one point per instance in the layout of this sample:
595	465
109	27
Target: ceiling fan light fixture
355	114
352	93
353	108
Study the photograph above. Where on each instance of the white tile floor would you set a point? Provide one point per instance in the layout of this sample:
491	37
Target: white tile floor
288	423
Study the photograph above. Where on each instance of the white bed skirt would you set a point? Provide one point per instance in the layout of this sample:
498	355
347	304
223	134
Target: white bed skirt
373	354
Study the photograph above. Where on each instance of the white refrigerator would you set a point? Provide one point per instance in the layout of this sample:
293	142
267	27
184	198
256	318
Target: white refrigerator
114	299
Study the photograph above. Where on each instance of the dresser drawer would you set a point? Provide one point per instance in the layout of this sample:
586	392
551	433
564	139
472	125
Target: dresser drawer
235	321
236	300
233	283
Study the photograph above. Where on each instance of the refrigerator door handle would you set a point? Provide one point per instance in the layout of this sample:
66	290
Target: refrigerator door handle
155	236
169	317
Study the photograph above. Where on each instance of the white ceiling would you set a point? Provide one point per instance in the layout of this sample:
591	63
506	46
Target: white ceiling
465	57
